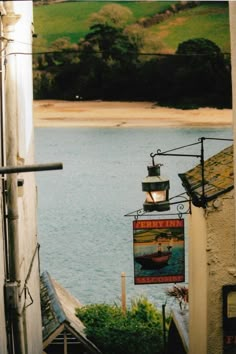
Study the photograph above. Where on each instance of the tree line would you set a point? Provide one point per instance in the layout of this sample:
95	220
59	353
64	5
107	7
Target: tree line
116	61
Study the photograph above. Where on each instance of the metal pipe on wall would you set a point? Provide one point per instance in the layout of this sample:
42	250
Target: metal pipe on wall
8	345
11	159
2	147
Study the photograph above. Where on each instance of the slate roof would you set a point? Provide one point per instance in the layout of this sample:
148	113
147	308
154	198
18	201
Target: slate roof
180	322
218	177
58	312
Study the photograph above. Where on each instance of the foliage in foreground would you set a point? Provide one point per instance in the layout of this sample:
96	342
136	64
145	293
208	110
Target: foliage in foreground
137	331
179	293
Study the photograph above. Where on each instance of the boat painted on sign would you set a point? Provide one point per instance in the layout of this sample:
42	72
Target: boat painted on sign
154	260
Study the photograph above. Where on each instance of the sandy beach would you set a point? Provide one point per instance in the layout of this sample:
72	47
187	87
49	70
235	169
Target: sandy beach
55	113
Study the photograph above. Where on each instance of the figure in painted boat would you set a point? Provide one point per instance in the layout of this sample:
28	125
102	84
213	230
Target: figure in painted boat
158	259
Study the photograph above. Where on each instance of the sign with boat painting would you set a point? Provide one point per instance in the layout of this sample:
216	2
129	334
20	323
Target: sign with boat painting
159	252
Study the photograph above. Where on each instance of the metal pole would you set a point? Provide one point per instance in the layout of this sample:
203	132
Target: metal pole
123	292
203	174
164	327
31	168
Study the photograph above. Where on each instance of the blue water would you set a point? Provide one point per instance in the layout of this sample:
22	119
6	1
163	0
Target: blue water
174	267
86	242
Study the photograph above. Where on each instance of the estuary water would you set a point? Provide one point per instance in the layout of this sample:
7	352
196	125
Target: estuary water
86	241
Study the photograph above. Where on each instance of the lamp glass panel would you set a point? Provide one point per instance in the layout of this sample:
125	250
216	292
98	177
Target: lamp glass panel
155	196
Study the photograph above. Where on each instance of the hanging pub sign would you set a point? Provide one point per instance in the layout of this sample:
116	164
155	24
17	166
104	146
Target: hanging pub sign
159	255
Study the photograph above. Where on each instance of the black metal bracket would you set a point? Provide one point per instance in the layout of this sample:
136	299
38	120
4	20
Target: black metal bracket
201	156
181	209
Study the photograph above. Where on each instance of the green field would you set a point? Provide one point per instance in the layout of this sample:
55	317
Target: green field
210	20
71	19
206	21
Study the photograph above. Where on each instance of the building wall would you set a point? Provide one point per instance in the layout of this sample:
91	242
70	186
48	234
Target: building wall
3	334
19	150
211	265
28	201
220	263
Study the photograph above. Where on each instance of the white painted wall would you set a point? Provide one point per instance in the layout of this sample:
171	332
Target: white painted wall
20	150
3	338
23	44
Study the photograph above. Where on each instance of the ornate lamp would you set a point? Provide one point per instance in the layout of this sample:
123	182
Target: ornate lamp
157	190
157	187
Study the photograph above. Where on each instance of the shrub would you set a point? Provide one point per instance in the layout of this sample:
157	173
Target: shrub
137	331
43	84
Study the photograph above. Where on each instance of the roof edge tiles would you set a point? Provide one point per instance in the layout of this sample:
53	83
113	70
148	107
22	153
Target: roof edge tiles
58	310
51	305
58	313
218	178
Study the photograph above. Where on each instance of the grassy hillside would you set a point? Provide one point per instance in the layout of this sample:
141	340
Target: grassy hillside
209	20
71	19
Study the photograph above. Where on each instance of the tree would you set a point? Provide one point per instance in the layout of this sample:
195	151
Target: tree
144	40
202	73
44	84
198	46
111	57
198	75
113	15
63	51
111	43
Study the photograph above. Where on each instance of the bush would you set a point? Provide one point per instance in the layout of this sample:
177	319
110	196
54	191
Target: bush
202	74
137	331
44	84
